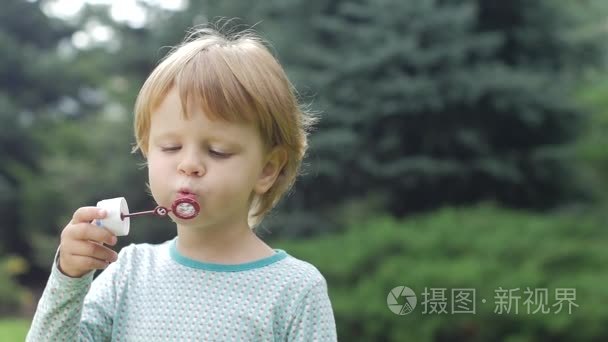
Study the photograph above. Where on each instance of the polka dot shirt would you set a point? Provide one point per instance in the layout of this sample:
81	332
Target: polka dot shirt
153	293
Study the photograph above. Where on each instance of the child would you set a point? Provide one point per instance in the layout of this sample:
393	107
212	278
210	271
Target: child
218	122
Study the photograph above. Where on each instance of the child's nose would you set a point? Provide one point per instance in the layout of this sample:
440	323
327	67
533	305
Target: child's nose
191	165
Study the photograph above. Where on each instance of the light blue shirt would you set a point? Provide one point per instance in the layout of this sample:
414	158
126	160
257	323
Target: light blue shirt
153	293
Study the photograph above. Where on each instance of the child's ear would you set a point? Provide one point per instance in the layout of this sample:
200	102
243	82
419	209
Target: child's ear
275	161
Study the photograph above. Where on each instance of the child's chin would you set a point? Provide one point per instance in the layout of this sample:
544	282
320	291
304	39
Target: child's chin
195	221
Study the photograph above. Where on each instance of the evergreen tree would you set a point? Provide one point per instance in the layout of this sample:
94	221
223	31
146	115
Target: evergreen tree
32	82
434	102
37	84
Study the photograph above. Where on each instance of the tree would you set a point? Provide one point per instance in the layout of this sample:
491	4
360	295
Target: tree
432	102
34	82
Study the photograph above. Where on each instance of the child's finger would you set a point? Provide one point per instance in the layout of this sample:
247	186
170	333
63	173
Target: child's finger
92	249
88	263
87	231
88	214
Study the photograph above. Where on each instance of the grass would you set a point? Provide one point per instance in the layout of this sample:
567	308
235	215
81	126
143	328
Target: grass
14	329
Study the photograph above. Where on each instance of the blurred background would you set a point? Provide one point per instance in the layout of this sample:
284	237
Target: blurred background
462	144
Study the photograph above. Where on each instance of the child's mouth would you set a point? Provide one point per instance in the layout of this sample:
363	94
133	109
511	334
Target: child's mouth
186	194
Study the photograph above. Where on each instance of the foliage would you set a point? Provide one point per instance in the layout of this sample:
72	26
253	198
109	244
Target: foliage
482	248
12	295
36	82
447	102
14	329
592	147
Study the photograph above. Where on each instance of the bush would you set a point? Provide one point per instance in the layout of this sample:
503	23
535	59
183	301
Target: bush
12	295
481	248
591	148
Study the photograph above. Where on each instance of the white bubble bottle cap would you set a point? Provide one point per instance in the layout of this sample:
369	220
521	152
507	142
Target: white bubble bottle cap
115	220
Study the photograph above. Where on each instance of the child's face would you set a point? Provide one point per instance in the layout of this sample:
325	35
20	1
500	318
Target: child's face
220	163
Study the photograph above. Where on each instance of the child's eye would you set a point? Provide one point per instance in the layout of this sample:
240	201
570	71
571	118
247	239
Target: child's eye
219	154
170	148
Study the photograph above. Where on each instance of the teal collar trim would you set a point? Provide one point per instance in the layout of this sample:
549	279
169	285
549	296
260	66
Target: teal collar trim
183	260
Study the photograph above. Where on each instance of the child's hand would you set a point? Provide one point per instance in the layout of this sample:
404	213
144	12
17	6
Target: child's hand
81	249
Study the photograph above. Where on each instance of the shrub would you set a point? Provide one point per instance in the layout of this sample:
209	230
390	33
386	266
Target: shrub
12	295
481	248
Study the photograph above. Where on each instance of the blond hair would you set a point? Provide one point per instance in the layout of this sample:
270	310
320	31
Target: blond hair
232	77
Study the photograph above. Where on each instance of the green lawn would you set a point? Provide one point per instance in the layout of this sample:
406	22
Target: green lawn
13	329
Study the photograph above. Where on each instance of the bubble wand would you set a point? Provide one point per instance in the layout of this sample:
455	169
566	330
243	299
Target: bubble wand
118	217
184	208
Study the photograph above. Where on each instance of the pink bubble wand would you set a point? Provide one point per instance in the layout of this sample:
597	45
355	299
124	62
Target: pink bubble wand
184	208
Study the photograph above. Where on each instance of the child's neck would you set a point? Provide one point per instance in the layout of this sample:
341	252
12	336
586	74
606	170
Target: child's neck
234	244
